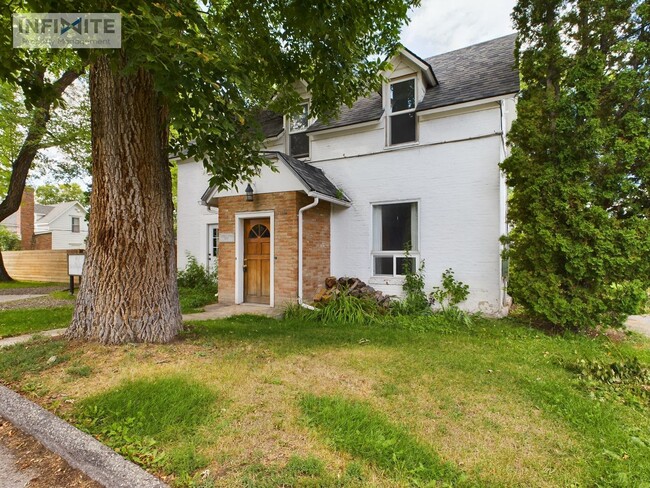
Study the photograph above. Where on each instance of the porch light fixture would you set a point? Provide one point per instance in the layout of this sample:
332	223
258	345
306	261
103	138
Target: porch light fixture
249	193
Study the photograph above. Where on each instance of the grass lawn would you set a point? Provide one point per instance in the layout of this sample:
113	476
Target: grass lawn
27	320
10	285
257	402
194	299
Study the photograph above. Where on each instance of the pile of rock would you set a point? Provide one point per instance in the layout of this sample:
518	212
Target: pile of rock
353	287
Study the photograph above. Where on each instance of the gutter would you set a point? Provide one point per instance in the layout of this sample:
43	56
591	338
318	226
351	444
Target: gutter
300	246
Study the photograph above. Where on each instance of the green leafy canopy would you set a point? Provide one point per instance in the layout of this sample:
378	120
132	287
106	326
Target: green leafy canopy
216	65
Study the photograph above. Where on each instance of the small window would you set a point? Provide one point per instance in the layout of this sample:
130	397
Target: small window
402	112
395	229
75	224
298	138
259	230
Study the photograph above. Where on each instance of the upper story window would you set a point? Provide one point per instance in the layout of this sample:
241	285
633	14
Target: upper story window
298	138
75	224
402	120
395	229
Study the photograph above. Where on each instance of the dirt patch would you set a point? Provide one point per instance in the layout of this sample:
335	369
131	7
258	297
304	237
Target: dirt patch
37	302
50	470
35	290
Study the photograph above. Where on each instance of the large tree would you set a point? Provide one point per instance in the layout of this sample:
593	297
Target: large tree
206	69
580	164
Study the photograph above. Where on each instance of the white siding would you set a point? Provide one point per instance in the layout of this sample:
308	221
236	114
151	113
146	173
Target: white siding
191	217
457	187
61	228
452	172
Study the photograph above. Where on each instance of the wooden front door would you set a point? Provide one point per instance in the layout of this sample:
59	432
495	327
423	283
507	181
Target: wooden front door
257	261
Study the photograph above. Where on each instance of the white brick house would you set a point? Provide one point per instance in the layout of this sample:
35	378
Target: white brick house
417	163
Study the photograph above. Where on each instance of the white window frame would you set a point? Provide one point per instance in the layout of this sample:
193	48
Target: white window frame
390	112
72	226
395	254
290	131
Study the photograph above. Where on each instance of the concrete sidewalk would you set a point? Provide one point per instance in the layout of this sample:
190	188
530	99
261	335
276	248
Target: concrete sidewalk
221	311
14	298
12	341
639	323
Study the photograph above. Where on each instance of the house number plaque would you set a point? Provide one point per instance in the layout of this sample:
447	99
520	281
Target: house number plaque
226	237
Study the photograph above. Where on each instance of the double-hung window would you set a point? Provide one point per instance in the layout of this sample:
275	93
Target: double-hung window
402	120
395	229
298	138
75	224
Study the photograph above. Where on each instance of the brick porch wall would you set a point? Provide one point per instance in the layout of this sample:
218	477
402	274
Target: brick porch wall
316	238
316	246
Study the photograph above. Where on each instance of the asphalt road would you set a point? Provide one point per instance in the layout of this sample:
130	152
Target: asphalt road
10	476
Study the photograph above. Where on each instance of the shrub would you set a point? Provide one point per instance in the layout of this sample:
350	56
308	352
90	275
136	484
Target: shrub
415	302
9	241
195	275
451	292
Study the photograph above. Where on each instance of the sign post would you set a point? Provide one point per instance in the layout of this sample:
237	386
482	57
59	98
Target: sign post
75	268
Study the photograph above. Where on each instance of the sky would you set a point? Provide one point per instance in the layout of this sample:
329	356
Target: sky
438	26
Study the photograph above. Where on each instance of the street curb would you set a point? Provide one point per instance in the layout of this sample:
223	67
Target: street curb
80	450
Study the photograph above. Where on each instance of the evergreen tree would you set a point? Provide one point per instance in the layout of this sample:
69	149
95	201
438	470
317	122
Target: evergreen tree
579	168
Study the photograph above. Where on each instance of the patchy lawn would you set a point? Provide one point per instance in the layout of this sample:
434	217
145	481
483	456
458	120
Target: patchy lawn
29	320
257	402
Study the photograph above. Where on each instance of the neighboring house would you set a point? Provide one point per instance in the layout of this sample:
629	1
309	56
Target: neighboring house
414	165
60	226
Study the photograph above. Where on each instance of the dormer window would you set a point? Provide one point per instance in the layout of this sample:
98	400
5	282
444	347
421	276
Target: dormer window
402	117
298	138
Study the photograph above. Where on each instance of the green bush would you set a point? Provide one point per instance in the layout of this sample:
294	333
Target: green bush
9	241
196	276
451	292
415	301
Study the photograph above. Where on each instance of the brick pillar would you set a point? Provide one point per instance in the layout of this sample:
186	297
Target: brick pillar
26	219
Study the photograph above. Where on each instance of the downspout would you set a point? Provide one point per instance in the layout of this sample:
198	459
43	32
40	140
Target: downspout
503	203
300	219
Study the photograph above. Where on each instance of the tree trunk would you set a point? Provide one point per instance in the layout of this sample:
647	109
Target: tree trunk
4	275
128	292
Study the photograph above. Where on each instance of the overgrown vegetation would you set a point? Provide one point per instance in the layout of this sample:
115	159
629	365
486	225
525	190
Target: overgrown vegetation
414	312
580	211
137	416
9	240
626	380
28	320
197	286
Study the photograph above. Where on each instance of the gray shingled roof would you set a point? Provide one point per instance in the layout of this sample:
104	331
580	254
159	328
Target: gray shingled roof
272	123
313	178
480	71
472	73
43	209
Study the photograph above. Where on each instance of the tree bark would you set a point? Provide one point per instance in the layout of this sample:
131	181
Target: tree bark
128	292
21	165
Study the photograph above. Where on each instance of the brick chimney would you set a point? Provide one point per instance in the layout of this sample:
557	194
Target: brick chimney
26	219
